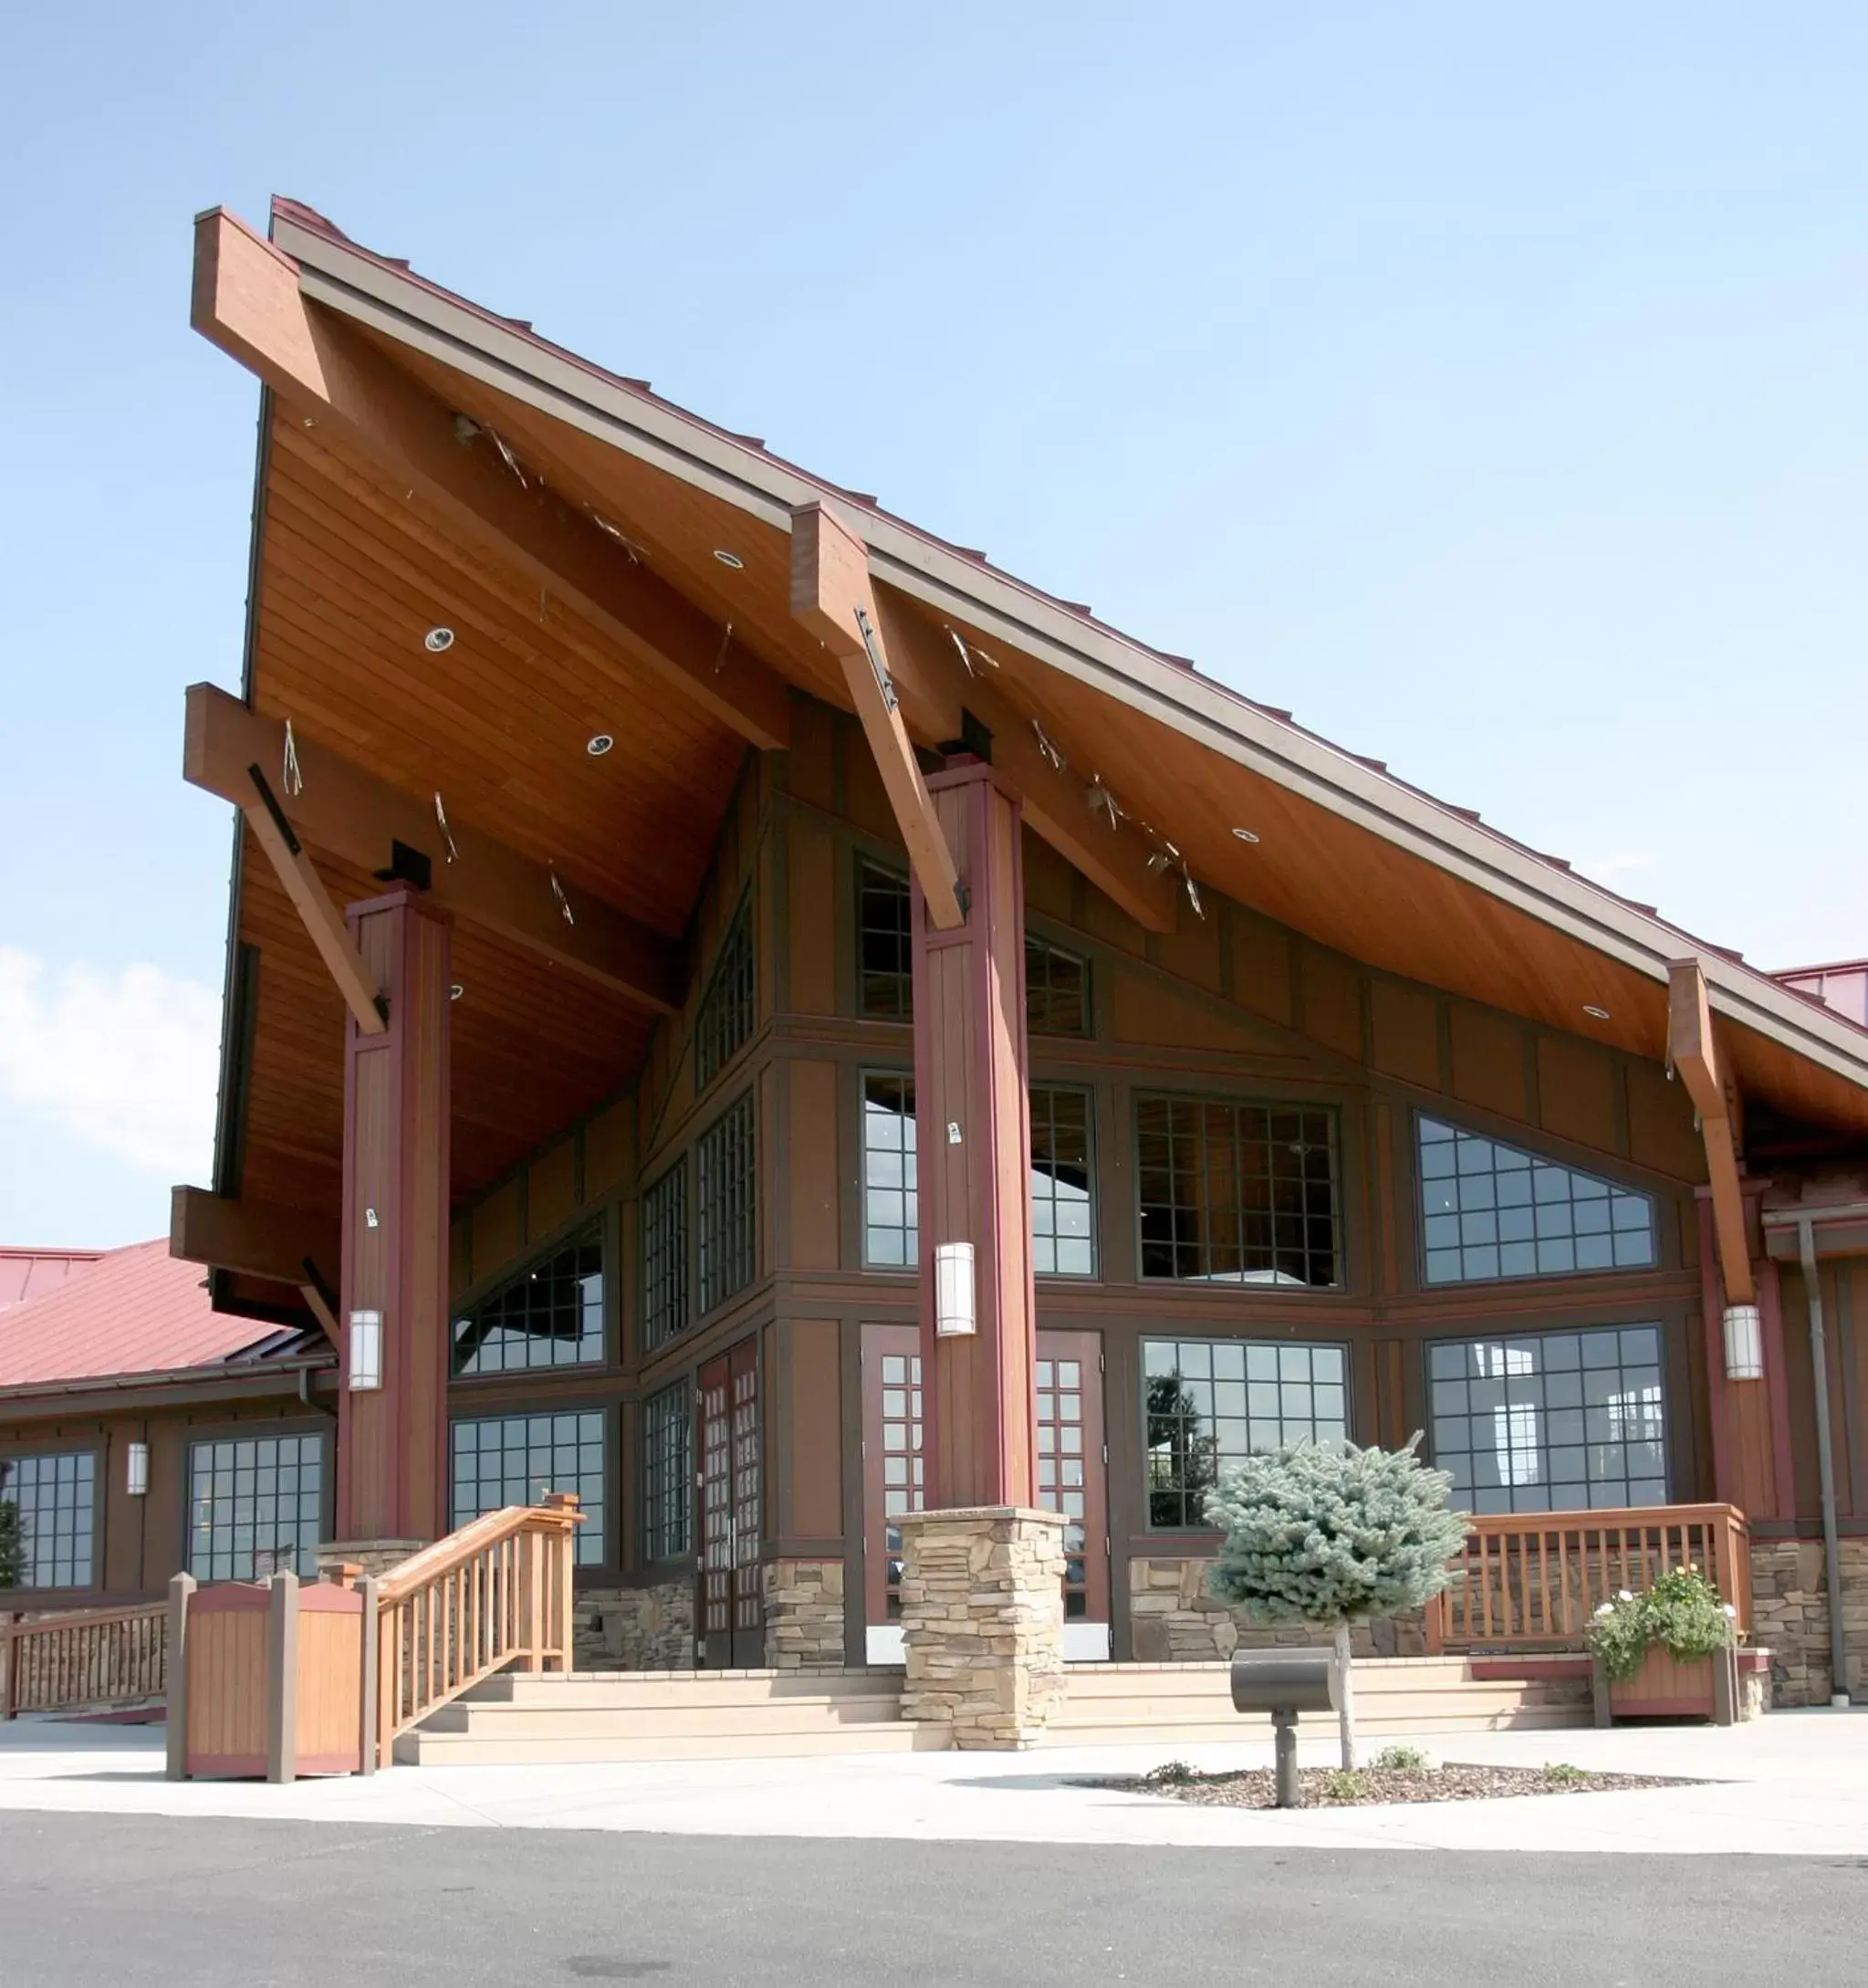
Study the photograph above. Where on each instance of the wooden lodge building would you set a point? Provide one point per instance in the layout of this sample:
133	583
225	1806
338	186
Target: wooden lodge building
744	1011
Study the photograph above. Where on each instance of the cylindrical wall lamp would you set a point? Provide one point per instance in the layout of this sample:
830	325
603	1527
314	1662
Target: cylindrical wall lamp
136	1470
954	1317
366	1351
1744	1343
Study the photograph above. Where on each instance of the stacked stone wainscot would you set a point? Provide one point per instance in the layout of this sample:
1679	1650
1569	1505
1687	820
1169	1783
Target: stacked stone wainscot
982	1622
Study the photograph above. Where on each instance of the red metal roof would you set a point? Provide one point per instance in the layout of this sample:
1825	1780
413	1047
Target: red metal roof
133	1311
26	1274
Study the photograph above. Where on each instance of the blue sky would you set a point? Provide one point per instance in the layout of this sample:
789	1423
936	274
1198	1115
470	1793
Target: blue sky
1485	384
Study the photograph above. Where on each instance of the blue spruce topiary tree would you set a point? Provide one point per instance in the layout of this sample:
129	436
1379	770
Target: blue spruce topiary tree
1334	1536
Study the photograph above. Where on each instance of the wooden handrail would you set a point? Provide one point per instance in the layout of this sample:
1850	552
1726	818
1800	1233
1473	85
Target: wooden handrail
497	1591
1535	1578
75	1657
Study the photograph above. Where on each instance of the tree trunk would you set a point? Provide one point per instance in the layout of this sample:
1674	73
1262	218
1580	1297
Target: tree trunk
1345	1704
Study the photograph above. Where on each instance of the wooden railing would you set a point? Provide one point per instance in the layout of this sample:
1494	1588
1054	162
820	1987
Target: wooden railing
496	1593
83	1656
1533	1579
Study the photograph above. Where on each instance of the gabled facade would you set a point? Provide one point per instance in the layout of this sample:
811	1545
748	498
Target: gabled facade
696	939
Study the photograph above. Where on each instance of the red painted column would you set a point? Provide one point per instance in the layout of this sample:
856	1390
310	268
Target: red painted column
973	1140
392	1441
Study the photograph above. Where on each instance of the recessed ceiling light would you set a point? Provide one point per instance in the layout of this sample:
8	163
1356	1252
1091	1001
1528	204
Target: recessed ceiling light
1245	835
728	559
598	743
438	639
1593	1012
455	991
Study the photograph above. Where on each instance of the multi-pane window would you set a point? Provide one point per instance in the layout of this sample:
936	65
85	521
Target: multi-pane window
891	1203
664	1256
514	1459
551	1314
1211	1403
668	1468
56	1498
728	1214
1057	989
1062	1229
1235	1193
1552	1421
725	1017
256	1504
1488	1209
884	956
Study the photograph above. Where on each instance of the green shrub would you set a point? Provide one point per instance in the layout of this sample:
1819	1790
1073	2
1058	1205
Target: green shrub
1170	1773
12	1545
1560	1773
1345	1785
1681	1611
1401	1759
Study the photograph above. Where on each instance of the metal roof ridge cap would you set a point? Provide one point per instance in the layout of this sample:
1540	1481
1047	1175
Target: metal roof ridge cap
1175	687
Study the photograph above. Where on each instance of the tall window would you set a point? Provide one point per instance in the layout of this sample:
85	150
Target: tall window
1552	1421
551	1314
884	965
890	1202
1062	1211
1488	1209
664	1257
56	1497
668	1470
728	1215
1211	1403
725	1017
255	1506
514	1459
1236	1194
1057	989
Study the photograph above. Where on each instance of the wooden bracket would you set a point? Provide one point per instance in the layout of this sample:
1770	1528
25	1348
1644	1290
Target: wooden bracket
1693	1052
351	814
257	1238
831	595
322	918
246	300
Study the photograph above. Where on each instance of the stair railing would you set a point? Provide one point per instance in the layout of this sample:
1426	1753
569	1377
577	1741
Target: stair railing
495	1595
83	1656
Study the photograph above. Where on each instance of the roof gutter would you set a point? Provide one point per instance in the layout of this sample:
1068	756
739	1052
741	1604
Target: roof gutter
183	1377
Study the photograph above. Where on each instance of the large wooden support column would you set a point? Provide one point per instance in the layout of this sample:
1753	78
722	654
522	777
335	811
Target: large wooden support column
973	1139
392	1439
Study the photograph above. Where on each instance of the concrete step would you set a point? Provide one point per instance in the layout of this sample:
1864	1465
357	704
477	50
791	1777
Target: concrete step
696	1721
425	1749
1236	1731
615	1690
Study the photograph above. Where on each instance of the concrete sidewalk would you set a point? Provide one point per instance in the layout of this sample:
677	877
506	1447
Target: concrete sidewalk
1794	1784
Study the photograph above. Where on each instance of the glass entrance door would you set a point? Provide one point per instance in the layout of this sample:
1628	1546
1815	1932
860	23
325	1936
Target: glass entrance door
731	1618
1070	1471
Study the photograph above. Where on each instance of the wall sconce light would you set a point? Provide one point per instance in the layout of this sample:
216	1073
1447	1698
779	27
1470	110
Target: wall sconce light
366	1351
1744	1343
136	1470
954	1316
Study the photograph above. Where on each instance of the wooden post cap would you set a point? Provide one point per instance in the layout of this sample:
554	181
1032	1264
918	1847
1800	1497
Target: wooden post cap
343	1573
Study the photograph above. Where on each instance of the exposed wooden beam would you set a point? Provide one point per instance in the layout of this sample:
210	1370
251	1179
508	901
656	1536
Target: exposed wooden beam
831	595
246	300
257	1238
255	799
1694	1056
353	815
934	688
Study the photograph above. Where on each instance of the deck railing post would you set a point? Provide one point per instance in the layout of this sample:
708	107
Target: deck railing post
369	1711
531	1545
282	1680
180	1589
9	1657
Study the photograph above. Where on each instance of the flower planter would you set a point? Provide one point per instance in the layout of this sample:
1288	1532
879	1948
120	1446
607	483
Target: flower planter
1666	1688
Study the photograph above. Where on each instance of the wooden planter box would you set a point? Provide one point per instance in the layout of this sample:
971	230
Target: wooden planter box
1665	1688
264	1678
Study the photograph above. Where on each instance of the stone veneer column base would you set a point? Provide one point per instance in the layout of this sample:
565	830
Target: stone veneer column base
983	1622
1175	1619
375	1556
804	1615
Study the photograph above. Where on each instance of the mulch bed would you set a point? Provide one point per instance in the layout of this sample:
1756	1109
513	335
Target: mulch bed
1318	1787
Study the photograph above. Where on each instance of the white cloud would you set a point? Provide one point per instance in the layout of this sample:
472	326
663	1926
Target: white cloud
1604	867
126	1062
